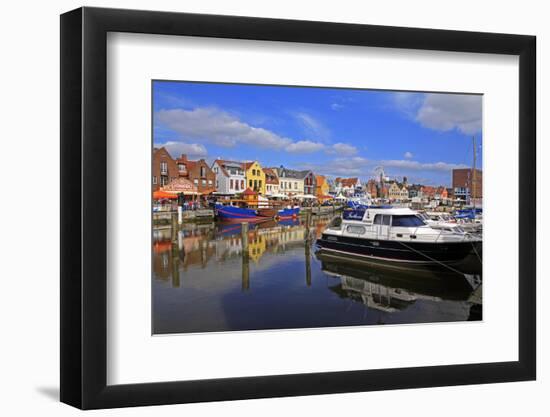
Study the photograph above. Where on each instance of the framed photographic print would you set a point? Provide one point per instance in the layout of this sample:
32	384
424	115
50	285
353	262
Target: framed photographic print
257	207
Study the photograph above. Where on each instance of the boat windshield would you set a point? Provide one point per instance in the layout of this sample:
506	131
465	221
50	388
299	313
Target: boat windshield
408	220
423	216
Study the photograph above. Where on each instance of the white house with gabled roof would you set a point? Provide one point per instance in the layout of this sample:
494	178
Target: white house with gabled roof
230	177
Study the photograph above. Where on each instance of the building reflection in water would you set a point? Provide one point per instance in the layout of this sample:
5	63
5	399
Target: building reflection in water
209	257
201	244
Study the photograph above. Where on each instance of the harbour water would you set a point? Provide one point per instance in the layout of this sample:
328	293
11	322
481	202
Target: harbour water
203	281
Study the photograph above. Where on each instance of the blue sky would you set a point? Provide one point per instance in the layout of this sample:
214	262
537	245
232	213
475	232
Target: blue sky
335	132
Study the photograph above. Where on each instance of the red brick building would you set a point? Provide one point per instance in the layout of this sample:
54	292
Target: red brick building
463	183
372	189
198	172
164	168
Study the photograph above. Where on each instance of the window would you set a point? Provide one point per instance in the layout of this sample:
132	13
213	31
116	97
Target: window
203	171
260	183
203	182
181	167
230	184
209	182
410	220
250	183
164	167
358	230
242	184
383	219
295	185
196	181
154	179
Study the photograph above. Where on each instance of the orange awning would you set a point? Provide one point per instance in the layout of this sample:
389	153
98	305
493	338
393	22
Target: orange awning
157	195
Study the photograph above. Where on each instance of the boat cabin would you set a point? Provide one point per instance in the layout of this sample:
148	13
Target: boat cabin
388	224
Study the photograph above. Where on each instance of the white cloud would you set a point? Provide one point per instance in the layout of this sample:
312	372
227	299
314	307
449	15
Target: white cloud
177	148
354	166
342	149
419	166
211	125
218	127
408	155
336	106
442	112
451	111
304	146
312	127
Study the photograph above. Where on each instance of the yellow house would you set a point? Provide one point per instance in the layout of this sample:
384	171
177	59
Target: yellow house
322	188
255	177
256	247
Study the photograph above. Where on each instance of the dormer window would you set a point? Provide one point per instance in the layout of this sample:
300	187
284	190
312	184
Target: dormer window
181	167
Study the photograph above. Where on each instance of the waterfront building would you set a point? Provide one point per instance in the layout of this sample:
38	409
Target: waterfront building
348	186
198	172
230	177
464	186
441	193
322	187
271	181
331	186
255	176
291	181
164	168
404	193
428	192
394	192
383	192
415	191
372	188
309	182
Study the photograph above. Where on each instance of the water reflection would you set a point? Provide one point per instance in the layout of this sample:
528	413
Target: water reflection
215	277
392	290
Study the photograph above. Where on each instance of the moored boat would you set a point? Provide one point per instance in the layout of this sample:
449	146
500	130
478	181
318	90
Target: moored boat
396	235
288	213
267	212
237	214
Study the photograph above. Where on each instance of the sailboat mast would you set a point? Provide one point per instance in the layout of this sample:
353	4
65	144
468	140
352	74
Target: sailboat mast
474	173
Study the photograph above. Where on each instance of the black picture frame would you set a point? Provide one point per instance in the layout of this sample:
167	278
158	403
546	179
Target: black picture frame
84	207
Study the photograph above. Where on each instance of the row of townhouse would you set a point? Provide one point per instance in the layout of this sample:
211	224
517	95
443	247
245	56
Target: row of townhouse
233	177
394	190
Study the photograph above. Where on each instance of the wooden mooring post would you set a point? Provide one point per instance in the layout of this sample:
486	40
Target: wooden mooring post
308	263
308	225
174	227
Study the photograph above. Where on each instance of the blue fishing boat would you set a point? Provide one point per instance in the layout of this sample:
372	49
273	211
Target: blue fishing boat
237	214
288	213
